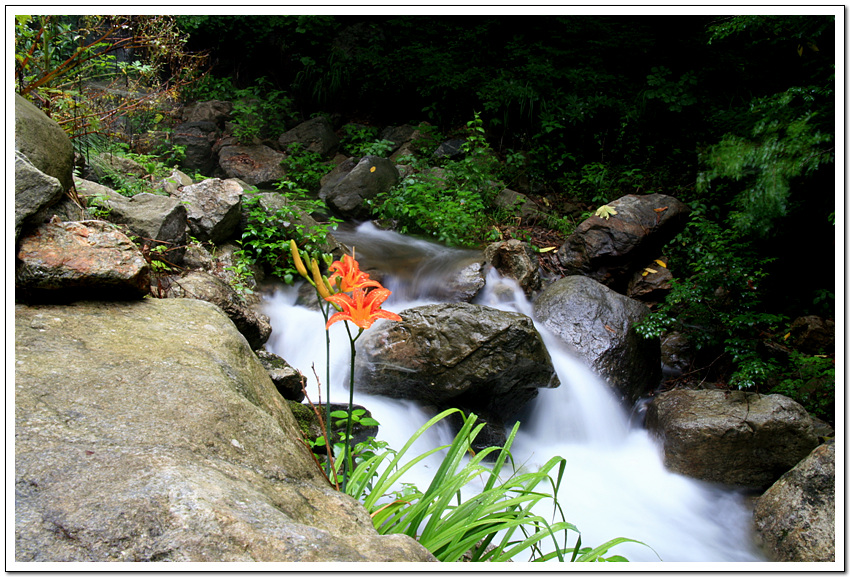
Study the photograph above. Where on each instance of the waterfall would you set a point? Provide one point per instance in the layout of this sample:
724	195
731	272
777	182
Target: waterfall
615	484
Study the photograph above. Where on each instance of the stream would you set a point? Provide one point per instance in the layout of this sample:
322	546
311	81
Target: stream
615	483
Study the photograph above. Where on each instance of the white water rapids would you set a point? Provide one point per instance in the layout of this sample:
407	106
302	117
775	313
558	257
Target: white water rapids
615	484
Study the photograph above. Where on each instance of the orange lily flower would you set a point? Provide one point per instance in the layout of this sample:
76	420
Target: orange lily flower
349	276
362	308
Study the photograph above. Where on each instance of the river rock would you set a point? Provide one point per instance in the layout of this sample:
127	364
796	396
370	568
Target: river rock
813	334
174	182
315	135
515	259
215	111
651	283
110	168
598	325
197	139
148	431
70	260
287	380
461	355
732	437
258	165
157	219
371	176
213	208
195	284
611	250
35	193
43	142
795	518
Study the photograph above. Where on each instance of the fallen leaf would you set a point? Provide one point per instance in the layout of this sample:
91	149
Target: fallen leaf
662	209
605	211
648	270
661	262
547	249
372	169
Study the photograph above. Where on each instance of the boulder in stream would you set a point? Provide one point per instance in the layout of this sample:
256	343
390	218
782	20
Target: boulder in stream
473	357
598	325
795	518
731	437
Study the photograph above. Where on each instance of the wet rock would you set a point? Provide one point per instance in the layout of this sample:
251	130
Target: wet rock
651	283
515	259
460	355
598	324
611	250
73	260
732	437
795	518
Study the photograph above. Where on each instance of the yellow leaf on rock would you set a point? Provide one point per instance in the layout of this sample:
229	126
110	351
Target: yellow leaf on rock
372	169
605	211
661	262
548	248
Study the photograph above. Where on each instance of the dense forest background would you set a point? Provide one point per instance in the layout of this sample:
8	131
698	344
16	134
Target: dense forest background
734	115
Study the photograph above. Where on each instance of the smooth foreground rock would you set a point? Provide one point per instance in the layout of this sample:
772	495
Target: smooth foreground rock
795	518
457	355
86	259
196	284
743	439
148	431
598	325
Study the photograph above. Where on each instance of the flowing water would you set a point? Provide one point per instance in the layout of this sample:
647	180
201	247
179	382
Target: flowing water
615	482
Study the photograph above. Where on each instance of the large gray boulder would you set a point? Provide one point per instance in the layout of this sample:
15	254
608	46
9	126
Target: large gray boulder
598	324
213	208
155	218
35	193
610	250
72	260
196	284
43	142
258	164
795	519
215	111
371	176
148	431
457	355
732	437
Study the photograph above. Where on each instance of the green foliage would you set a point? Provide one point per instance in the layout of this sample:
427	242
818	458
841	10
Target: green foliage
810	380
67	65
266	235
497	523
260	111
779	148
303	167
717	300
451	209
675	94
